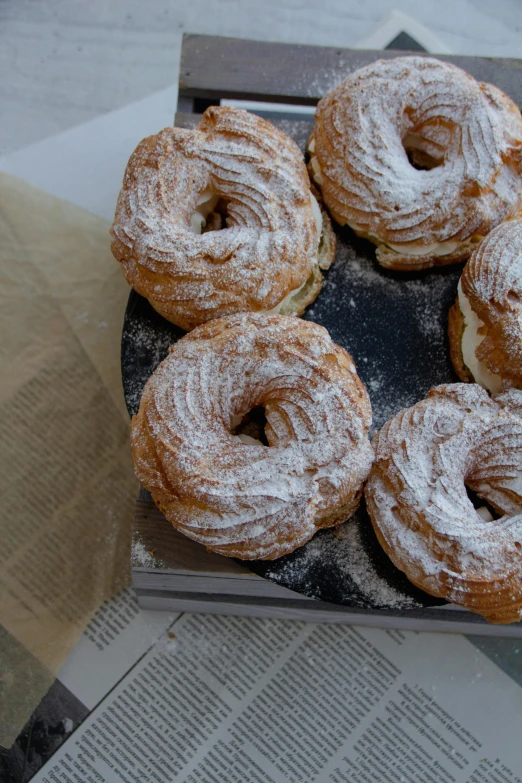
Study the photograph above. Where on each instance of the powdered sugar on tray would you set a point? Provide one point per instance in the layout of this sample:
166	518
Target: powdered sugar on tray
141	557
358	565
343	555
145	344
394	325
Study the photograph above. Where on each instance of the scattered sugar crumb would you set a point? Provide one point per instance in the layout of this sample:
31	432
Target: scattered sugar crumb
142	557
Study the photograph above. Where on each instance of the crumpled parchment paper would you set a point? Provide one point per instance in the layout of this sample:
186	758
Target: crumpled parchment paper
67	485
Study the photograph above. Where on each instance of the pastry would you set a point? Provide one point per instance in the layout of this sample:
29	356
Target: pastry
425	457
415	155
220	219
485	323
223	488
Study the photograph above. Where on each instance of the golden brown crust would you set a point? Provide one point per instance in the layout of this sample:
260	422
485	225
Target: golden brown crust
270	243
326	256
383	122
425	457
248	500
327	242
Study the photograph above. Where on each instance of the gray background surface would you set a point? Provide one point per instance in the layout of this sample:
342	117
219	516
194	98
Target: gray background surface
63	62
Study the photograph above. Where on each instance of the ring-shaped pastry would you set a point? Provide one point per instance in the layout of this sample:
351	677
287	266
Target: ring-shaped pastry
425	457
420	158
220	219
235	495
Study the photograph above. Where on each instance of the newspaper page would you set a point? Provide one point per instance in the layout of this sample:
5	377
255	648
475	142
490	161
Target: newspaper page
115	639
265	701
113	642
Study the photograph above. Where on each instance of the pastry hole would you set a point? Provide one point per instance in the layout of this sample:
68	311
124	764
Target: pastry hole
419	158
486	511
210	214
252	425
217	219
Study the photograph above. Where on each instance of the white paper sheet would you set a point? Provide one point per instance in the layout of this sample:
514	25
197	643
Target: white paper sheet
396	22
85	164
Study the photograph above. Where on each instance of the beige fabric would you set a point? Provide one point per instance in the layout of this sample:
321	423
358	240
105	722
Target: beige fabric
66	477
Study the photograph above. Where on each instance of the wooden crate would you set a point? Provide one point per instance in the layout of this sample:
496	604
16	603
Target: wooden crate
213	69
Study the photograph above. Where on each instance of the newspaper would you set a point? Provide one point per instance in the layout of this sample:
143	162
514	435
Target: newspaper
220	699
115	639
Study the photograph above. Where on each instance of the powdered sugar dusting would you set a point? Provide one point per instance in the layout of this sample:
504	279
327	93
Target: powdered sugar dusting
393	325
268	244
145	343
492	282
358	565
242	499
141	557
466	136
417	499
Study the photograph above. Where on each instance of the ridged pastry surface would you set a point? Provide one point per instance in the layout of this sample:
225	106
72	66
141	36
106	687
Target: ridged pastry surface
492	282
243	500
470	130
269	245
425	456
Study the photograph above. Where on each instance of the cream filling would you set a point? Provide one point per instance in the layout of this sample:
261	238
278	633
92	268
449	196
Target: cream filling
316	209
418	249
205	205
314	163
484	514
471	340
236	421
247	439
282	304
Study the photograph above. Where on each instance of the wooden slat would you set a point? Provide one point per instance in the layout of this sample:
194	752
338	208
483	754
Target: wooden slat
215	67
169	549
